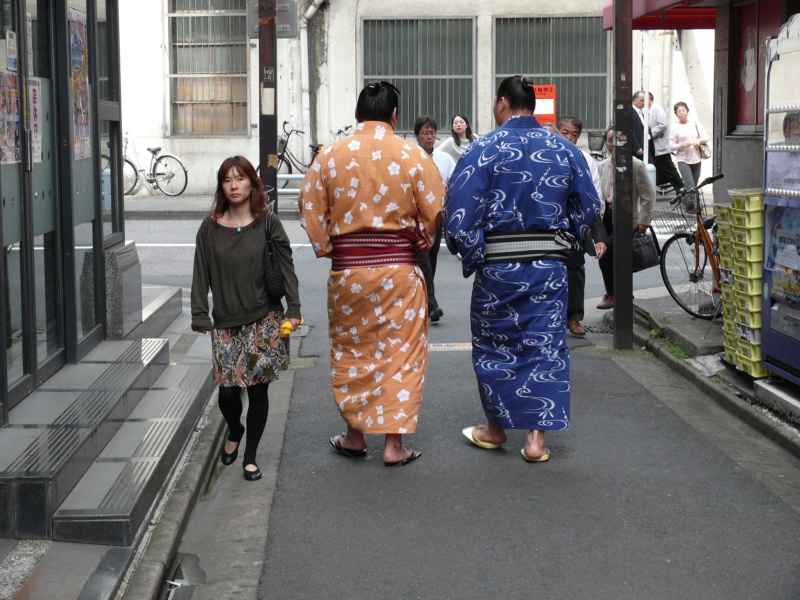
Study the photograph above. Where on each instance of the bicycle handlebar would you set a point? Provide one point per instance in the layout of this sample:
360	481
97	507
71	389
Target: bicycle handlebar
686	191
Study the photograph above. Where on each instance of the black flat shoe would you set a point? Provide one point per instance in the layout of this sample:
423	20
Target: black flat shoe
252	475
229	459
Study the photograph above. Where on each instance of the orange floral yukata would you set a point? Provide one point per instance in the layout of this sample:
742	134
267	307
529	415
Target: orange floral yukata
374	182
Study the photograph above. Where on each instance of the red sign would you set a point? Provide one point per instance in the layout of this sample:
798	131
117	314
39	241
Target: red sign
545	103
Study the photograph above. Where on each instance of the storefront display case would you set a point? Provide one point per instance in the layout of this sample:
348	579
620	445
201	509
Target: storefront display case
781	266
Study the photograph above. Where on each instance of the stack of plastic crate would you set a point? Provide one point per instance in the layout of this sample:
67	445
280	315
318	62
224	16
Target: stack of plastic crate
740	248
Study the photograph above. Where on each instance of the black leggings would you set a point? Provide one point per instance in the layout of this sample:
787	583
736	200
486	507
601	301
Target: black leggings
230	405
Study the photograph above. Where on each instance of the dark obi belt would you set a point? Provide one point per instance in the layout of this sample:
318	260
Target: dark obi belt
525	246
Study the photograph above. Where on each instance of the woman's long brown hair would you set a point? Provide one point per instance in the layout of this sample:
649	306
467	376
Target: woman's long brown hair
258	199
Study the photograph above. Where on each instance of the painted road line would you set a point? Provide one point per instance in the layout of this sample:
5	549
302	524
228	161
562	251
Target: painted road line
449	347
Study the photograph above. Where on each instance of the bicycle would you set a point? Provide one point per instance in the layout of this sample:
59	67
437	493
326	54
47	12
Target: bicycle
166	173
690	258
287	160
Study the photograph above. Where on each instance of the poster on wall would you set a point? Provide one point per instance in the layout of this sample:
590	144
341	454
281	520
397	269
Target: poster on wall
35	94
11	50
782	258
80	84
9	152
29	41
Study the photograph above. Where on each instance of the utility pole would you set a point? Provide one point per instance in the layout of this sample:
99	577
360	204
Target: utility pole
268	119
623	176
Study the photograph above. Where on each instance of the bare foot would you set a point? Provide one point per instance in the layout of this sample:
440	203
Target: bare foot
490	433
534	444
230	446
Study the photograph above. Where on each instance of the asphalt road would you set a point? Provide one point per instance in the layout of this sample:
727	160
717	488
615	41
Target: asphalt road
655	492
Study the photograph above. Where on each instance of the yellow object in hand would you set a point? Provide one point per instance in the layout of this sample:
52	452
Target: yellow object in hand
286	328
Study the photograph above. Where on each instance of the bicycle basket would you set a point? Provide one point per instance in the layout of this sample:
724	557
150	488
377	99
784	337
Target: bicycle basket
281	145
672	218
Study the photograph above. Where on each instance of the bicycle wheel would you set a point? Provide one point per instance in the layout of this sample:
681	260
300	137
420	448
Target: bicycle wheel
169	175
686	270
130	177
284	168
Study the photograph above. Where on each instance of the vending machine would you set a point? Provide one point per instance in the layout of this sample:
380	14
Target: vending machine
780	331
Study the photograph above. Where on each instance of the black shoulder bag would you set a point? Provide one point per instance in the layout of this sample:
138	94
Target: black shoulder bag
273	277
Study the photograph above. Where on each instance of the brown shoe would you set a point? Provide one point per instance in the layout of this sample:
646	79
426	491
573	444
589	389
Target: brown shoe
608	302
576	329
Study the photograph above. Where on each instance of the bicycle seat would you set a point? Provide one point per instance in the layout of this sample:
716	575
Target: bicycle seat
316	147
154	150
709	222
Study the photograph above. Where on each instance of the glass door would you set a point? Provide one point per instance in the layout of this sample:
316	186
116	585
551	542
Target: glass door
43	194
17	243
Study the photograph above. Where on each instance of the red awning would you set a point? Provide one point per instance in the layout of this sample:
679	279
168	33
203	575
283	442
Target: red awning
665	14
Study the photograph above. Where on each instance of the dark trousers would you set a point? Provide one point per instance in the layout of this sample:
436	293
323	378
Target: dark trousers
665	170
607	262
434	251
425	266
576	284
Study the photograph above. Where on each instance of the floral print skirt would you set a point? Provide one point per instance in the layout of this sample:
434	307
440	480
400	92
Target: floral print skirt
250	354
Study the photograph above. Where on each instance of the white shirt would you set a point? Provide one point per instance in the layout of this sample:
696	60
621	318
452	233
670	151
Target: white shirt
445	163
593	171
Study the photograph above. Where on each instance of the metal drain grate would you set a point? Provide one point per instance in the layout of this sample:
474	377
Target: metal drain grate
595	329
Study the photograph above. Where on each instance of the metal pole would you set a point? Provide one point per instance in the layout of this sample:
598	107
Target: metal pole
268	119
623	176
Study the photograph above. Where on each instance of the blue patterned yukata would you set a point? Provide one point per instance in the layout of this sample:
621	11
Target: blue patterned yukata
519	177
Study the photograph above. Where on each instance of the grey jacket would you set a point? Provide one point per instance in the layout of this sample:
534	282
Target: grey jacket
644	194
658	129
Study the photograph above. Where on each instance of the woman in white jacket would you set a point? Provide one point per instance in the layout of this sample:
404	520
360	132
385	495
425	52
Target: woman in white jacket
685	140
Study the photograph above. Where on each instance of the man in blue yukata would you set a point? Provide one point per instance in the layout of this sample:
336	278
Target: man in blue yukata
519	200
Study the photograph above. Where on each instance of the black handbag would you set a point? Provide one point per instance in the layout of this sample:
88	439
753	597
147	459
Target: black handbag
646	252
273	277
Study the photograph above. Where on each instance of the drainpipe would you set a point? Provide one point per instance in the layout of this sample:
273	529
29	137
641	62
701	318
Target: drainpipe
305	96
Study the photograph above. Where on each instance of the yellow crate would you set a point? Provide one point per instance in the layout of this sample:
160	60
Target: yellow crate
751	318
725	248
748	301
751	367
729	329
748	334
730	351
746	235
746	252
745	218
726	261
722	213
748	350
747	199
724	231
748	269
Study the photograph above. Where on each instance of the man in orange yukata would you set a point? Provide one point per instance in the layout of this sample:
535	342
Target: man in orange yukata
371	202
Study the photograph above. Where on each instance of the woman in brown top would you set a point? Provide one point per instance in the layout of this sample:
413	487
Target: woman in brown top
247	347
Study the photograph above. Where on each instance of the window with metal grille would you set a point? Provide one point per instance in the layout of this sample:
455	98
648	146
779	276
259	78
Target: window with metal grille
431	61
208	67
569	52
